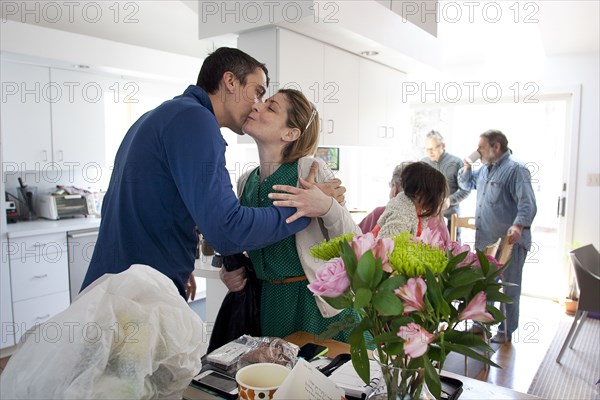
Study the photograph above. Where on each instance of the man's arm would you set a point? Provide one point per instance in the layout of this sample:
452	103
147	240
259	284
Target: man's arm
196	159
458	196
467	178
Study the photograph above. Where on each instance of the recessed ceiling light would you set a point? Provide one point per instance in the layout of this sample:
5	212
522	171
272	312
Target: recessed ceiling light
369	53
81	66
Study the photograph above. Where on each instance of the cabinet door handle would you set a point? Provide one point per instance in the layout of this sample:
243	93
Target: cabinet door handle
43	317
45	155
40	276
390	129
80	235
382	132
60	155
320	125
332	126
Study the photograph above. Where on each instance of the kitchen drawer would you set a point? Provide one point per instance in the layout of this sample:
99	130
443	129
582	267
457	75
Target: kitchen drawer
38	246
33	276
27	313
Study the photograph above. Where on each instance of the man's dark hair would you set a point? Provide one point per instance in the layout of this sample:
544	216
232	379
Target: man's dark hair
227	59
494	136
425	184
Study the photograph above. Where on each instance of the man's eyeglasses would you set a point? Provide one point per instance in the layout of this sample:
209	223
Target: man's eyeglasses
312	117
433	148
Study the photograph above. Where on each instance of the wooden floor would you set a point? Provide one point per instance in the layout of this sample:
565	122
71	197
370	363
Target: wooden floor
521	358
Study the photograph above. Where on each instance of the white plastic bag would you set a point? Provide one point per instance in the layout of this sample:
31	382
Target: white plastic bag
131	335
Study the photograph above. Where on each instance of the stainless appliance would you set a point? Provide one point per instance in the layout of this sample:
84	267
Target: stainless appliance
53	206
80	245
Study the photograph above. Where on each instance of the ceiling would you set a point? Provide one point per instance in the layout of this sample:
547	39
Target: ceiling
543	27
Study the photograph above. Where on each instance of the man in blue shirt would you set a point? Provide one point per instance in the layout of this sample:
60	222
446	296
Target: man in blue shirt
505	206
170	176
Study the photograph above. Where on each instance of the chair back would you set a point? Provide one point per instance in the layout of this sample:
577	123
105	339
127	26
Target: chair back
492	249
586	262
460	222
506	251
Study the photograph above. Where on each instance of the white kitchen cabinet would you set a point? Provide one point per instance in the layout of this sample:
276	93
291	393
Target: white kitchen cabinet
39	278
7	337
38	310
326	75
52	118
383	117
25	122
78	119
340	94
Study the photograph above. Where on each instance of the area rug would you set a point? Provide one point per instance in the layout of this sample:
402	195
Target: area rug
576	376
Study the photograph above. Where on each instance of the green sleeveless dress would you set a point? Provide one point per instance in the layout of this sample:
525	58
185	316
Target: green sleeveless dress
285	307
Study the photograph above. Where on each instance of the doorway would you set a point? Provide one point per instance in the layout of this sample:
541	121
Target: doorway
540	135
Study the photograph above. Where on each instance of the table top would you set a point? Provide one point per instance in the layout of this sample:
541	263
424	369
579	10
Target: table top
472	388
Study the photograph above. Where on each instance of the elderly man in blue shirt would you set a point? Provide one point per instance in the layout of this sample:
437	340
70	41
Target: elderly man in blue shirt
505	206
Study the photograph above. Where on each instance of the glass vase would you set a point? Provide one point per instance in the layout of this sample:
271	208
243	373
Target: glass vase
403	384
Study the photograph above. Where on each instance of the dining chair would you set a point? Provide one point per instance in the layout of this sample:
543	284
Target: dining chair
469	223
503	258
460	222
586	262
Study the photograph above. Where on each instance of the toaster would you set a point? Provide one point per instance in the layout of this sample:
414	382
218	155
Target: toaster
57	206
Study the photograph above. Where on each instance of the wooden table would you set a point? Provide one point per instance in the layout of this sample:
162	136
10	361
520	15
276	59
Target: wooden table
472	388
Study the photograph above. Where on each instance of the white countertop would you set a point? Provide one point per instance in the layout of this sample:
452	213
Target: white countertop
45	226
203	268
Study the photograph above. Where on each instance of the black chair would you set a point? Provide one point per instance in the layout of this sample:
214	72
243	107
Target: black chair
586	262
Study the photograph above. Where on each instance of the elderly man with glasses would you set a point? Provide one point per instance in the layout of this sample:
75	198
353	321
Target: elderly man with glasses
449	165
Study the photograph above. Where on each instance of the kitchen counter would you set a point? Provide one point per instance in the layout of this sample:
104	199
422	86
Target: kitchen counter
45	226
215	289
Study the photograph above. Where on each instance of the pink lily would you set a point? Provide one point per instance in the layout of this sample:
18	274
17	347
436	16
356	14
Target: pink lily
416	339
435	233
475	310
412	293
361	243
382	249
456	249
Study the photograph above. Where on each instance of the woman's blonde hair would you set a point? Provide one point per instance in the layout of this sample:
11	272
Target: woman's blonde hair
303	116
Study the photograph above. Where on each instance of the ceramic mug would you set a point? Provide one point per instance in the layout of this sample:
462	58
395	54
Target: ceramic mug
473	157
260	381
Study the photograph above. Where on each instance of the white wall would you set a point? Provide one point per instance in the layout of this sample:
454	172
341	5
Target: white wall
554	74
583	69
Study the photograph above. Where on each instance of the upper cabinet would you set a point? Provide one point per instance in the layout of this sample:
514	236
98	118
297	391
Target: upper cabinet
326	75
359	101
383	114
78	120
51	118
25	122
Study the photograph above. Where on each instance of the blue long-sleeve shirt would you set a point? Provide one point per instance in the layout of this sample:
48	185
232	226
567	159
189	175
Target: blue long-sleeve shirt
504	198
170	176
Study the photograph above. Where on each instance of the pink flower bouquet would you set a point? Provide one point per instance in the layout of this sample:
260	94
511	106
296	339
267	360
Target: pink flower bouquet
410	294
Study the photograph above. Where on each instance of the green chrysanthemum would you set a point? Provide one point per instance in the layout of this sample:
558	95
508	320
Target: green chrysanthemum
326	250
411	258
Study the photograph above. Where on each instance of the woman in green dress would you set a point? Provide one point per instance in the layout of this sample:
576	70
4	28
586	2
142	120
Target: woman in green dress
286	131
